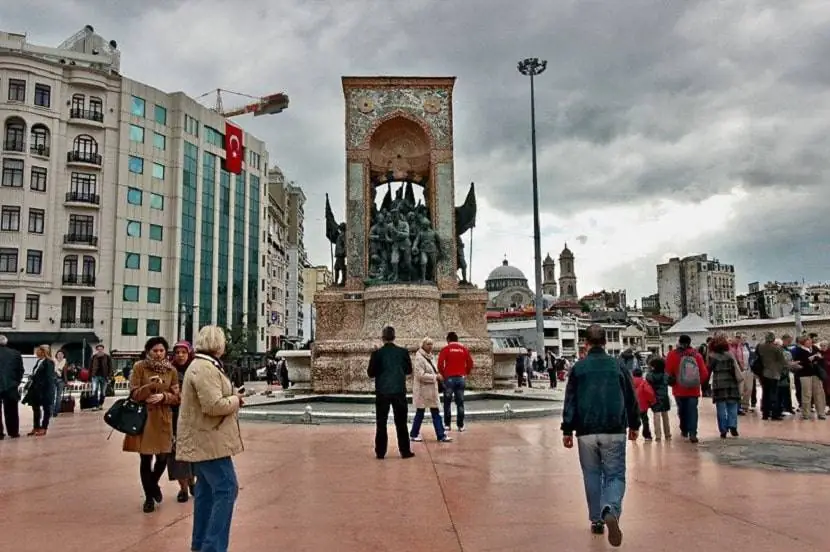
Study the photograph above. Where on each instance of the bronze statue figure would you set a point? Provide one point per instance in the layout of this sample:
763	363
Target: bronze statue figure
336	234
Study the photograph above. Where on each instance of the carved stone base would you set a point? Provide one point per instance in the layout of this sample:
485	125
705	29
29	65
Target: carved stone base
349	324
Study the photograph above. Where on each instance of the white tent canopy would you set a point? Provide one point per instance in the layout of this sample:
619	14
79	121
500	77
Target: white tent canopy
690	324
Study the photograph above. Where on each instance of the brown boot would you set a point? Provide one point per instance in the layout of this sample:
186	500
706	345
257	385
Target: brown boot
40	433
32	433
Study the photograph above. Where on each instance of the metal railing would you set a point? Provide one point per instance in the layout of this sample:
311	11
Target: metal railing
78	113
83	239
79	280
83	197
83	157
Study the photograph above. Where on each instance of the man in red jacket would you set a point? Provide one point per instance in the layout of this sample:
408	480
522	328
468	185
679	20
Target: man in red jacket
687	372
454	364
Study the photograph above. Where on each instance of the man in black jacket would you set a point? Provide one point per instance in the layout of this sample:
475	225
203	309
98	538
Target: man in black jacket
600	405
389	367
11	374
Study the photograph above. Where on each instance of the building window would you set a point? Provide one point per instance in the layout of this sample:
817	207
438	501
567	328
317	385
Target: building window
17	90
69	306
6	309
159	141
10	219
85	144
13	173
8	260
137	106
154	295
81	226
133	228
154	263
15	134
96	106
134	196
88	311
78	101
156	232
153	327
37	218
43	95
38	179
40	141
132	261
136	165
158	171
157	202
83	184
129	326
214	137
88	268
34	261
136	134
130	294
70	266
161	115
32	307
191	125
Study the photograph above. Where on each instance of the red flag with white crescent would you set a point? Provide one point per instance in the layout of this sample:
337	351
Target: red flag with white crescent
233	148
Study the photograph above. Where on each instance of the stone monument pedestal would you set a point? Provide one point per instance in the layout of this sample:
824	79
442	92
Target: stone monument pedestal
349	324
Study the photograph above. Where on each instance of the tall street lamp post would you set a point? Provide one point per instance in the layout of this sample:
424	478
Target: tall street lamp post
532	67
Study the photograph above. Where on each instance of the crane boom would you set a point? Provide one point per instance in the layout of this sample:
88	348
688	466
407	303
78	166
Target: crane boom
267	105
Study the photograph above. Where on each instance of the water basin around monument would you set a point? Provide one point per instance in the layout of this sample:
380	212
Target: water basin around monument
361	409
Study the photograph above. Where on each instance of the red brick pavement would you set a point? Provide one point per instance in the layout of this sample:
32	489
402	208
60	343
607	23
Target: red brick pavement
499	487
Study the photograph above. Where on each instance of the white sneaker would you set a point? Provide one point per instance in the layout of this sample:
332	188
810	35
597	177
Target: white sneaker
417	439
447	429
462	429
446	439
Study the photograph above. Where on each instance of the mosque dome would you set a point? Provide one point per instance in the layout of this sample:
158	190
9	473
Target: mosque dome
505	276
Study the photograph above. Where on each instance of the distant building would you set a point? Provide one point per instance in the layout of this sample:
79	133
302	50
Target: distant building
277	260
650	304
567	277
698	285
316	278
606	300
297	261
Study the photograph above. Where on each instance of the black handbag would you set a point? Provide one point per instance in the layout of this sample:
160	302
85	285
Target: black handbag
127	416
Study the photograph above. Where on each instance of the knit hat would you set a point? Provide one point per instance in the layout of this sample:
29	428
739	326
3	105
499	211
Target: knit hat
184	344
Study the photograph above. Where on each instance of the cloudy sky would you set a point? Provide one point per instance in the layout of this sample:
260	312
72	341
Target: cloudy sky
664	128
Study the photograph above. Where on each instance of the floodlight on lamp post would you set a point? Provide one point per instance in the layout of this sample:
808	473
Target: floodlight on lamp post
532	67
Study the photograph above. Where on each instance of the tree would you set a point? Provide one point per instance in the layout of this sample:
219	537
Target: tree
236	344
585	306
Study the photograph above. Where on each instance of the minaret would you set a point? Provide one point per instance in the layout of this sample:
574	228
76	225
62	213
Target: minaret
567	276
549	279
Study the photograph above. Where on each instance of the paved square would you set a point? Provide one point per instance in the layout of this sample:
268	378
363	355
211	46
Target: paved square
499	487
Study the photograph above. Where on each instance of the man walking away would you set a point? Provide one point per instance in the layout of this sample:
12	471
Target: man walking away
454	364
686	371
11	374
100	372
389	367
773	362
600	404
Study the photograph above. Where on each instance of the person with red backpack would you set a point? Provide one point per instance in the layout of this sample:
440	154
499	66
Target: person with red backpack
687	372
646	398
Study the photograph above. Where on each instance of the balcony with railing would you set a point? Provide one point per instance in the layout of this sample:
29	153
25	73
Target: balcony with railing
14	145
77	114
40	149
85	198
77	324
80	239
80	280
84	158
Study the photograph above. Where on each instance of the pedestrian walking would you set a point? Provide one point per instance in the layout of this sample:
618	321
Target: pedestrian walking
454	363
425	379
727	377
389	366
11	375
659	381
61	377
600	407
686	371
40	391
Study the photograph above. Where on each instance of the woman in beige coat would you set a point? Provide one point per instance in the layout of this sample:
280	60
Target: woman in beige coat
425	379
155	383
208	437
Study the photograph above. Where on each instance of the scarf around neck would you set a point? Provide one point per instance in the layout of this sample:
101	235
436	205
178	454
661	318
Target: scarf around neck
157	366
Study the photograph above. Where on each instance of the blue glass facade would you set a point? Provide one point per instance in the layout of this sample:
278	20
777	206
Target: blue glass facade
206	259
187	270
253	261
223	259
238	273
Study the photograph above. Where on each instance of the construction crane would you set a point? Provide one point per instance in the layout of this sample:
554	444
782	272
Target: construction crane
266	105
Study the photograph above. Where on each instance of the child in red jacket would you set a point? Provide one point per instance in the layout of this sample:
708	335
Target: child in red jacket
646	399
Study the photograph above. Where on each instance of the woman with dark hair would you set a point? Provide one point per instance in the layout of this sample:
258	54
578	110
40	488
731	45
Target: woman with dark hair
156	383
726	387
40	391
178	470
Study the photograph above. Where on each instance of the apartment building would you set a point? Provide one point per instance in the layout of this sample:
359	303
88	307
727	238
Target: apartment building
119	218
315	278
297	261
277	261
698	285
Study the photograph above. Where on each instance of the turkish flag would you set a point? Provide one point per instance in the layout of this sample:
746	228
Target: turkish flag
233	148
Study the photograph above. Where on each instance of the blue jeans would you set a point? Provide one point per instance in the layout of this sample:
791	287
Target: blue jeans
454	389
687	413
602	458
214	497
727	415
436	423
59	385
99	389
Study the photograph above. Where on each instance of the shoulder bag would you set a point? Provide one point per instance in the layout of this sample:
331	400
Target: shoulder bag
737	372
127	416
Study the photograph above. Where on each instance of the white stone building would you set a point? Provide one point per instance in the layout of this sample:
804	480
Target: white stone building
119	221
277	262
698	285
297	261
